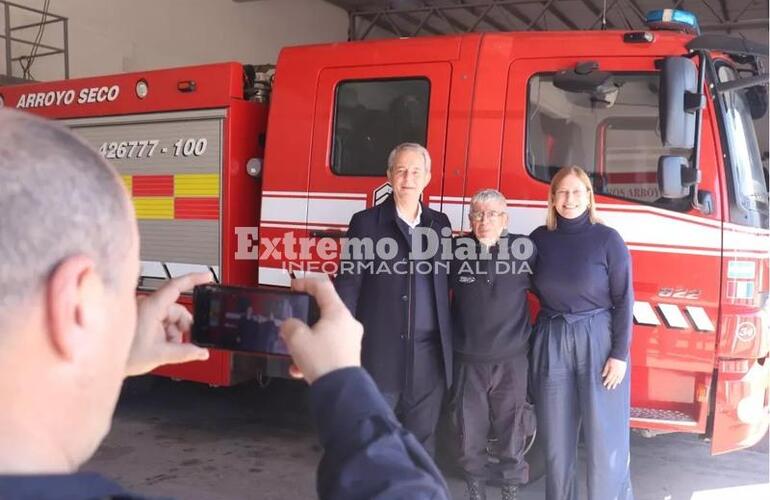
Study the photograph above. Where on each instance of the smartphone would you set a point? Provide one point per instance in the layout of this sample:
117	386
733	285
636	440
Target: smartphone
247	319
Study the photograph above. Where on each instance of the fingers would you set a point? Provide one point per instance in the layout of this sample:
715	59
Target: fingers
606	375
321	289
612	377
174	334
183	353
295	372
178	318
293	331
172	289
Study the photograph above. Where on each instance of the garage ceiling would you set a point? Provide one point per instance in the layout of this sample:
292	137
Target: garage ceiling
389	18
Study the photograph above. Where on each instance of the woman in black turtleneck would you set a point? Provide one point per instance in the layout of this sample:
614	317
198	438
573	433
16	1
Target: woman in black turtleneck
581	343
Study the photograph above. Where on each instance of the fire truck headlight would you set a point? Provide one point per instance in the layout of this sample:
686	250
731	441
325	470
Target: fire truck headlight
750	409
142	89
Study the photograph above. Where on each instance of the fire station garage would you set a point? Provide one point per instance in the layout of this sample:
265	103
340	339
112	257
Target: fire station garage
268	144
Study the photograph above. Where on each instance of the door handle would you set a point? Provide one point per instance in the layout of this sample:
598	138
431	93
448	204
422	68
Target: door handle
317	233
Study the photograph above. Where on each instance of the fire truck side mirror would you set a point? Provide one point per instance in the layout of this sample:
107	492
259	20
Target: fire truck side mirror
675	177
678	83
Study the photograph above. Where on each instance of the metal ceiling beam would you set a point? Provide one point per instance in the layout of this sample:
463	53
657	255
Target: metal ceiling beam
520	16
422	24
433	17
457	25
624	16
754	23
490	21
596	11
376	21
561	16
541	14
638	9
713	11
725	13
749	3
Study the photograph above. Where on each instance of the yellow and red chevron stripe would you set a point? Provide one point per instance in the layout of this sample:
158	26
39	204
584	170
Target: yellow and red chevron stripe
174	197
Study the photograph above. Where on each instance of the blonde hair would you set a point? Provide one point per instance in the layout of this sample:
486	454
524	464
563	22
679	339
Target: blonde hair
550	218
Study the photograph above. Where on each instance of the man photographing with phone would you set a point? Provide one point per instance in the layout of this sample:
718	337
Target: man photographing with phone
71	330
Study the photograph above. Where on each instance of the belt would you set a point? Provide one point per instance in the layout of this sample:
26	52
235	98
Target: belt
571	317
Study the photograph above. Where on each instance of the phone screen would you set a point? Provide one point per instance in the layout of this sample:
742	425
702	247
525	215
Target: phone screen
247	319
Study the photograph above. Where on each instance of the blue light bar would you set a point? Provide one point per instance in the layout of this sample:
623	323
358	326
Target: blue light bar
673	19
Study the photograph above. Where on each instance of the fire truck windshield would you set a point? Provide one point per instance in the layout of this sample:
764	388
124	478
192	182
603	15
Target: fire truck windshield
749	179
615	137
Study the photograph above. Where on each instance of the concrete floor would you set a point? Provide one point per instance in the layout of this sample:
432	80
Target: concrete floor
193	442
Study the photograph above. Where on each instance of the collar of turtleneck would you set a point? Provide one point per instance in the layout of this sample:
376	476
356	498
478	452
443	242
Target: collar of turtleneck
573	225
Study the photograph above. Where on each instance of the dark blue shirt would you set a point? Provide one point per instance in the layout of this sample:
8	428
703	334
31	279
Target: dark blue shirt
582	267
490	313
425	318
367	454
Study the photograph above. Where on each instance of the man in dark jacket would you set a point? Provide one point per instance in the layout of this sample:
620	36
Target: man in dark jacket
402	297
71	331
490	279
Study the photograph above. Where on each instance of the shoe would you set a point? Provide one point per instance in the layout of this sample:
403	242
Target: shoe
509	491
477	489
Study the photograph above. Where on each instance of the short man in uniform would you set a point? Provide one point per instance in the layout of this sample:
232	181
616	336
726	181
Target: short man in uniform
490	279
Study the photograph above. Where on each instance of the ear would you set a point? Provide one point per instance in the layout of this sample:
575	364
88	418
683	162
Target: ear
427	179
72	304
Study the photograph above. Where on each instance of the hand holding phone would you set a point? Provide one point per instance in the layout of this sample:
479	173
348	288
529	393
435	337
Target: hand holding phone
333	342
161	323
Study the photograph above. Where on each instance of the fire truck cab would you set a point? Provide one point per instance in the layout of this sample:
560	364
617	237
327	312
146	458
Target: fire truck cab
660	119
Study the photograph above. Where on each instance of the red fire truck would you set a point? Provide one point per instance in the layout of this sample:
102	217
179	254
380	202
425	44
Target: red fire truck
661	119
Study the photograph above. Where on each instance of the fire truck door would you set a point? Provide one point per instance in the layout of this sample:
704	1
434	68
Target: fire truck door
675	249
361	113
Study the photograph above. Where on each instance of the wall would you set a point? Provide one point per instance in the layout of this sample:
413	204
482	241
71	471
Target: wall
113	36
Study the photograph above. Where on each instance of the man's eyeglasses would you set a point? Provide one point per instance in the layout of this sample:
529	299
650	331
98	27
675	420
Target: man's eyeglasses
489	214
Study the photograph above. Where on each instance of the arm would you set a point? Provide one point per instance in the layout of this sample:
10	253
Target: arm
621	294
367	454
535	260
348	283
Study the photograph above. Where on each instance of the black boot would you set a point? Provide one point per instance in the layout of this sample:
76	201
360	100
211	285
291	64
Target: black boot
510	491
477	489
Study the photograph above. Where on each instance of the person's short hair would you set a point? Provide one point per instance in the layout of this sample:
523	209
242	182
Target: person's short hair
486	195
58	198
409	146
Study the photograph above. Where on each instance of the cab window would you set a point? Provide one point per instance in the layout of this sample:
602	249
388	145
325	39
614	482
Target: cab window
371	117
615	138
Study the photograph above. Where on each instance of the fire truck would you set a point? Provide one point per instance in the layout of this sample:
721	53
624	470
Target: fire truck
224	162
